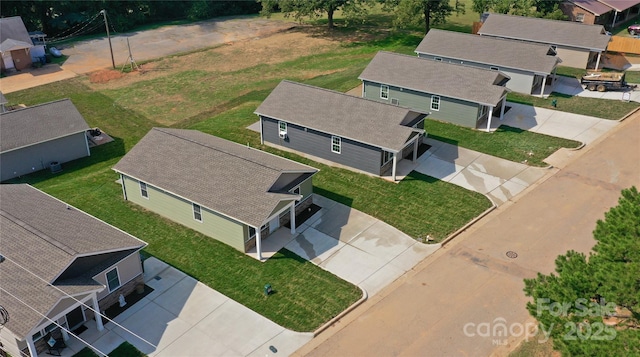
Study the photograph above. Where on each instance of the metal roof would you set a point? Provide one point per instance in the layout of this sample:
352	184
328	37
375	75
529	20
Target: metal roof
593	6
494	51
232	179
552	32
620	5
458	81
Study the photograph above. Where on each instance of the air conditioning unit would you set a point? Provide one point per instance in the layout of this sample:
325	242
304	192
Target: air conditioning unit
394	101
283	135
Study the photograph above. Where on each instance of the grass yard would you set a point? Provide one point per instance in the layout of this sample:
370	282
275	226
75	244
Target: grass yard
595	107
124	350
506	142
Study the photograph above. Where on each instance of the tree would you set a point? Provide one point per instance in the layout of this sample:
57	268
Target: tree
300	9
535	8
422	12
570	304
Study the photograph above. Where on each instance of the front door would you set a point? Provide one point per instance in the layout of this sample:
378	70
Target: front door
75	318
274	224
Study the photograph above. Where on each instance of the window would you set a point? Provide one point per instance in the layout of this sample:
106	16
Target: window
580	17
282	126
437	59
197	213
336	144
435	102
143	190
483	111
384	92
113	280
554	47
494	68
296	191
40	334
386	156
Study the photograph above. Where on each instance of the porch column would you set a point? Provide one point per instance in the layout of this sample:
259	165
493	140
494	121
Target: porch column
504	104
32	347
598	60
292	214
96	312
65	334
415	148
489	119
393	167
555	77
544	84
615	17
86	141
258	244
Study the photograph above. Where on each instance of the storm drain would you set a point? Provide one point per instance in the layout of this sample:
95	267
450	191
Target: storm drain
511	254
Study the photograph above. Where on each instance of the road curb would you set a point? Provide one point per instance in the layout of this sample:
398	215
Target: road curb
472	222
628	114
364	297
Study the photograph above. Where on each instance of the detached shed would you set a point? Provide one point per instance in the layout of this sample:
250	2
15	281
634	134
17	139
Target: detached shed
578	45
529	65
34	137
15	44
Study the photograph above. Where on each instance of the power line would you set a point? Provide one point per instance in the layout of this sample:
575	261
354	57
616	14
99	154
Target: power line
64	37
76	300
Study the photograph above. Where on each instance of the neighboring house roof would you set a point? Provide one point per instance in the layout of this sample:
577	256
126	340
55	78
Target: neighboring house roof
620	5
232	179
41	237
553	32
13	28
503	53
593	6
42	122
12	45
363	120
458	81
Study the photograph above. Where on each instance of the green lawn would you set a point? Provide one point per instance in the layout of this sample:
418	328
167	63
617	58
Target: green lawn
508	143
124	350
595	107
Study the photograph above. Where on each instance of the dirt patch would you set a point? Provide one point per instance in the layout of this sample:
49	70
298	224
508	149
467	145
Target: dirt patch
105	76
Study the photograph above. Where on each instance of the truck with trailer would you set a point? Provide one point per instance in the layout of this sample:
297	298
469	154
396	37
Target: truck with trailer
604	81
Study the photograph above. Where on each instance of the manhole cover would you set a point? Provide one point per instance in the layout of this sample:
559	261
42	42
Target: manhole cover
511	254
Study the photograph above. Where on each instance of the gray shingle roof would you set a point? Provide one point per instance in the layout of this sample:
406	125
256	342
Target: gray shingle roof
620	5
440	78
32	125
336	113
553	32
40	237
13	28
221	175
489	50
593	6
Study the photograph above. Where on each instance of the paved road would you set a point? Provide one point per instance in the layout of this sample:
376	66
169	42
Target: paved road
472	280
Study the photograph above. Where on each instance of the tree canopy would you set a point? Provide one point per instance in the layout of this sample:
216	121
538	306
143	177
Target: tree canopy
300	9
422	12
534	8
591	306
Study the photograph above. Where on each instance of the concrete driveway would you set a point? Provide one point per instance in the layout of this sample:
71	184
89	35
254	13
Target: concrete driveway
572	86
497	178
183	317
556	123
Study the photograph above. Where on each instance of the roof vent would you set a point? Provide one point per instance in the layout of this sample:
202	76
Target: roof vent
1	258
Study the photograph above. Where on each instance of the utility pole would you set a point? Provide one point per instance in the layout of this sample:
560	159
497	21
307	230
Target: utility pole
106	25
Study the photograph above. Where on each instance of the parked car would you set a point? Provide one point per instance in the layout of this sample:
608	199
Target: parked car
634	29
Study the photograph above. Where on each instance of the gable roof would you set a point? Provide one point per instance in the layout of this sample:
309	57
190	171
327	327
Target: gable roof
489	50
13	28
439	78
360	119
41	237
12	45
553	32
593	6
42	122
620	5
232	179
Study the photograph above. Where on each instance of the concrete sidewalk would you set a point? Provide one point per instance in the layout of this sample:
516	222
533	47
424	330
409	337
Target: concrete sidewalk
497	178
183	317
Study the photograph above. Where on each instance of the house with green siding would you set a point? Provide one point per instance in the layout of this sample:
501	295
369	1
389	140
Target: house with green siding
454	93
227	191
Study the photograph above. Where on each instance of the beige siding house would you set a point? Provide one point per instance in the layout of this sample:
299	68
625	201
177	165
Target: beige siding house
578	45
59	267
230	192
33	138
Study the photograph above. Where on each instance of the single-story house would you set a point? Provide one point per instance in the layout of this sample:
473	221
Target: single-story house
230	192
59	267
529	65
578	45
455	93
357	133
38	137
608	13
15	44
